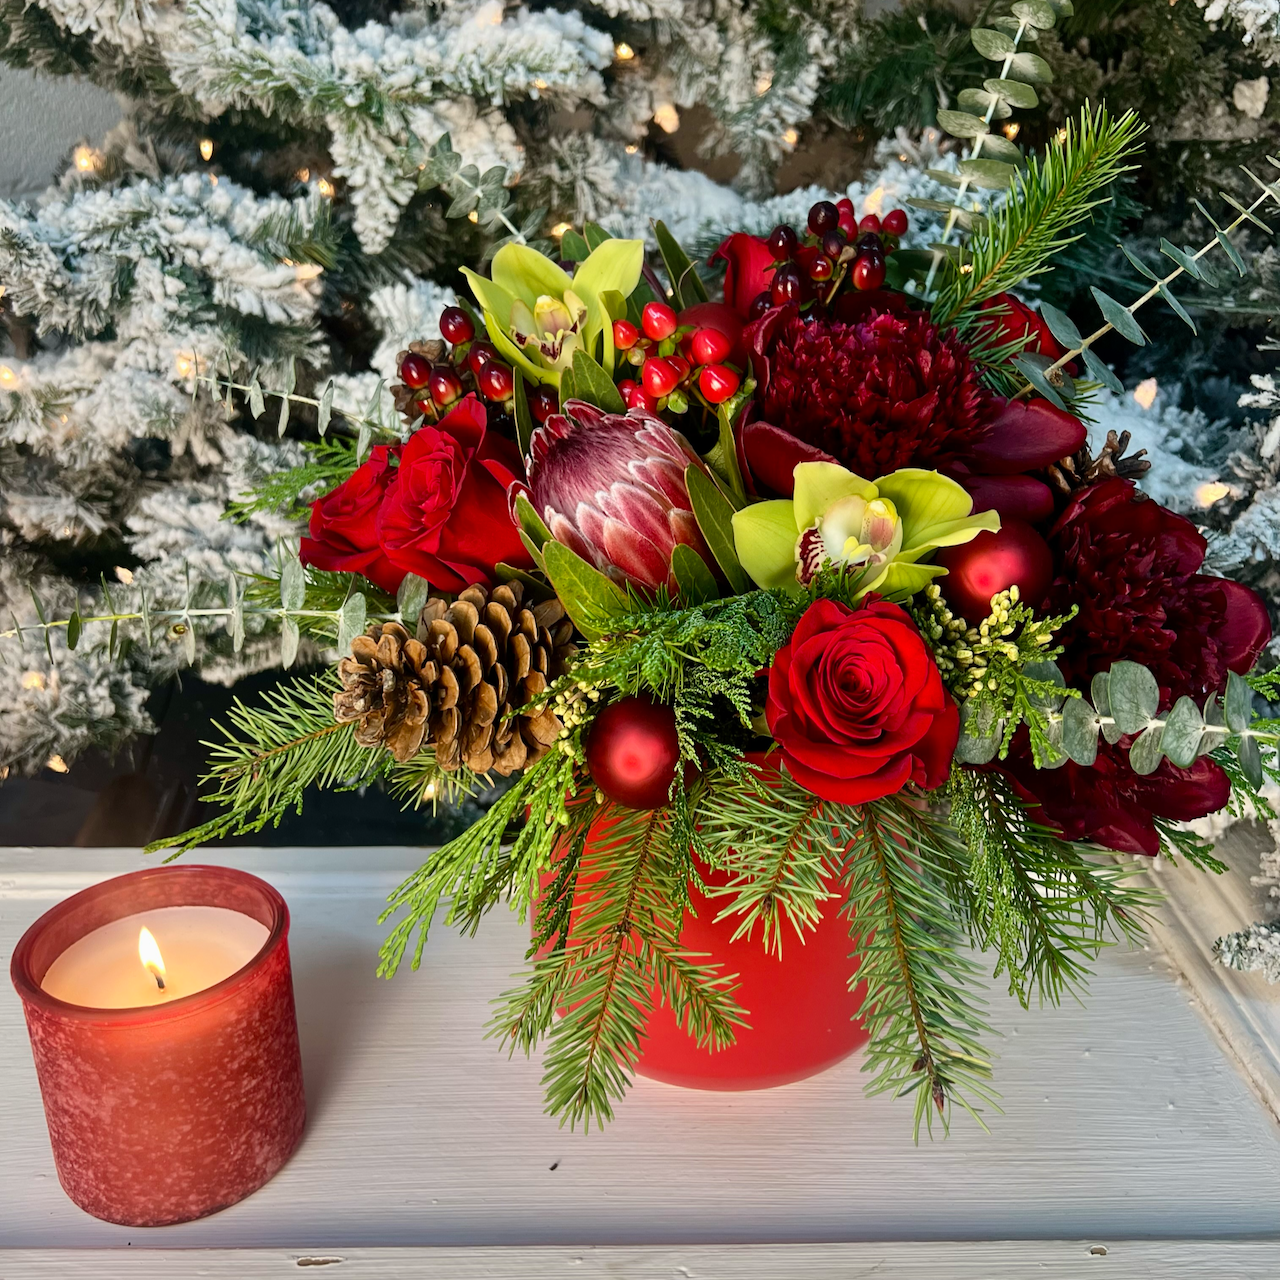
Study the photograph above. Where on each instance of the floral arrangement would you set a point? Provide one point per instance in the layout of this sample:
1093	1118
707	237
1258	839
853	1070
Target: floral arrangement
822	588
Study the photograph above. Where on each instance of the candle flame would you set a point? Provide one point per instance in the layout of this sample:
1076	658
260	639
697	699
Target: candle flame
149	954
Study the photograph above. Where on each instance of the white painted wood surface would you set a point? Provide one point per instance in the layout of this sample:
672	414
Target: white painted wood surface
1123	1121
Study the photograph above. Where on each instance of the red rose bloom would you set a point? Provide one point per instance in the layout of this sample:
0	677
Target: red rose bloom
344	524
1014	319
748	269
857	704
446	517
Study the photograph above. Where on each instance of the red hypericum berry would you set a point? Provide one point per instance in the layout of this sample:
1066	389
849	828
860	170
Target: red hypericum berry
782	242
456	326
718	383
496	381
479	355
823	217
710	346
895	222
868	271
869	242
660	377
844	205
848	223
788	285
760	304
681	365
543	402
833	244
634	397
625	335
446	387
822	268
425	408
415	370
870	223
658	320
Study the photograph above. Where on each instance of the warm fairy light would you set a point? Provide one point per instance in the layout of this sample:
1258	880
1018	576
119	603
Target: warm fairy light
429	791
206	149
623	51
764	84
56	763
539	84
560	228
305	271
184	364
631	148
874	203
1213	491
7	376
149	954
489	15
791	137
1145	392
473	216
33	680
1010	130
303	175
86	159
325	187
667	118
966	268
213	179
124	575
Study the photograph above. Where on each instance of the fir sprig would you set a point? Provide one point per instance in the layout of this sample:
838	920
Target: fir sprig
290	493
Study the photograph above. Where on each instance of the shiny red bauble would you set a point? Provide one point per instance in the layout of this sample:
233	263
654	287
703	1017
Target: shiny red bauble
496	381
658	321
1016	555
633	752
718	383
415	370
456	326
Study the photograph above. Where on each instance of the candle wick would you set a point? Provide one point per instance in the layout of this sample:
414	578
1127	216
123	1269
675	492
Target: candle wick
158	978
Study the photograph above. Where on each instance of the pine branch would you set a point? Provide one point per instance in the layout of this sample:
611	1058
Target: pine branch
924	1023
290	493
285	746
1048	200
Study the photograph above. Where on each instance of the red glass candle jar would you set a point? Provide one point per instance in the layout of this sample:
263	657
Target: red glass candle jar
172	1111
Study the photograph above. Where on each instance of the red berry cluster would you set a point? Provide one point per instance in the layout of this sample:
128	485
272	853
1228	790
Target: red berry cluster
469	365
836	243
672	359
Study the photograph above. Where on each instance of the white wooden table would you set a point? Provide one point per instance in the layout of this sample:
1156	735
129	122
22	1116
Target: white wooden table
1131	1143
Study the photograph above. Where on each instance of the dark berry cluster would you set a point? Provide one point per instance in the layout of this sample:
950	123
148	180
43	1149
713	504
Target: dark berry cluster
836	245
672	359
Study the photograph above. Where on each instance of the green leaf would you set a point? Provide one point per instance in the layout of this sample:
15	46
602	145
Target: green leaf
1245	213
992	44
1046	672
351	621
1237	705
1178	308
714	514
1185	260
412	595
74	627
1036	13
960	124
998	147
980	101
573	248
1135	696
325	410
686	285
1144	755
1061	326
283	423
1014	91
1183	728
1232	252
696	582
531	522
524	419
980	733
289	637
1033	371
1250	760
1030	67
1140	266
293	584
1080	726
1119	317
113	637
592	384
595	235
1101	372
589	598
534	588
256	405
988	175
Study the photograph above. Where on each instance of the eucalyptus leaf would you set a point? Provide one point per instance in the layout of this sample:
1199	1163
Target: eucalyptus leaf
1034	374
1185	260
1030	67
188	640
988	175
1101	372
1138	265
1145	754
1183	727
256	405
980	101
1014	91
1118	317
1250	760
589	598
1231	251
998	147
1135	696
74	628
1052	755
412	595
293	584
325	411
992	44
1035	12
980	733
236	606
288	641
960	124
351	621
1046	672
1080	726
282	425
714	513
1061	326
1237	705
1178	309
696	582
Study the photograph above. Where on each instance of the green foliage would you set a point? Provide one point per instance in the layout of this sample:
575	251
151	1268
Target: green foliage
272	754
290	493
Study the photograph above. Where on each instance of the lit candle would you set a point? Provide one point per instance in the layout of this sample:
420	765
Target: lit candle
160	1009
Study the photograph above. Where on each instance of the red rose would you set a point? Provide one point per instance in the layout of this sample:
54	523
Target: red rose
748	269
344	524
446	517
857	704
1012	319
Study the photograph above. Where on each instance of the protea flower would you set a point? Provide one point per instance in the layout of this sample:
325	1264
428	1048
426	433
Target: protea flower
611	487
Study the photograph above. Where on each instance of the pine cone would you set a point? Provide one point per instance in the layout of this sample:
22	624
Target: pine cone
1082	468
386	685
405	397
493	655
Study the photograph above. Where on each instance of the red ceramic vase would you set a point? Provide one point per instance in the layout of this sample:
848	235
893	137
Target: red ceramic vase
169	1112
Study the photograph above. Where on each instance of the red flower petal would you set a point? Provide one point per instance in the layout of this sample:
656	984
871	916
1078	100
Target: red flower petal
1014	497
1025	435
770	455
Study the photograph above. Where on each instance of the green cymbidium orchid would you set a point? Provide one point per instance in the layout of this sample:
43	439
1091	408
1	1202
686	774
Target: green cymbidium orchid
537	316
880	530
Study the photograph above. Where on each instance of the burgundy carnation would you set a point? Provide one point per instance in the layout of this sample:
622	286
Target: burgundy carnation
857	704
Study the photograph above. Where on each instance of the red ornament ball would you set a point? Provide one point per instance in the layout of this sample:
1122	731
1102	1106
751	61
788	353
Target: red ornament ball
633	752
1014	556
415	370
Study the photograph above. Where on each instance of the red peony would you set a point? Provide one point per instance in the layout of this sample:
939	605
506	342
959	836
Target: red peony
344	523
878	387
857	705
748	269
446	516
